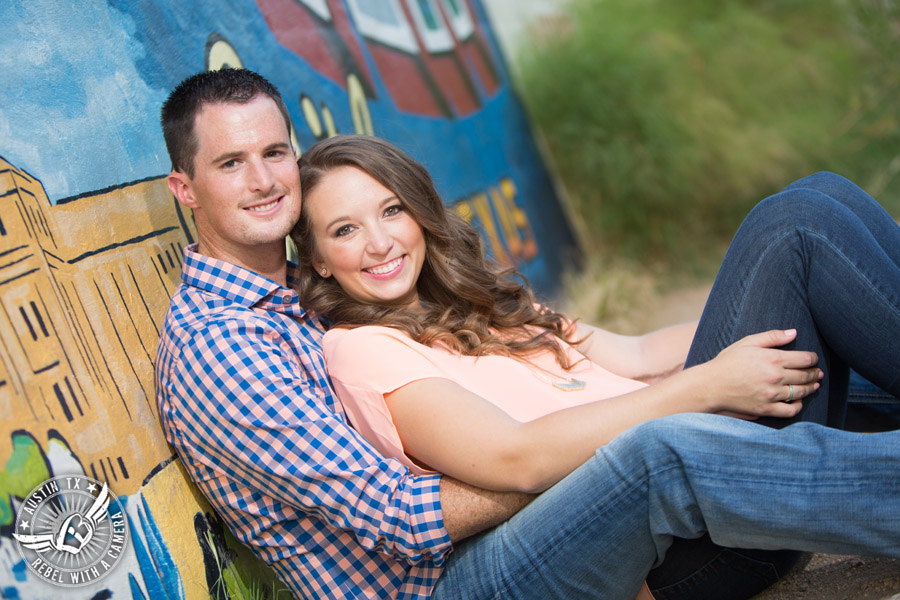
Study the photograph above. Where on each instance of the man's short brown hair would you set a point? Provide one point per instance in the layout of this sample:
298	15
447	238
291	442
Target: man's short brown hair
180	110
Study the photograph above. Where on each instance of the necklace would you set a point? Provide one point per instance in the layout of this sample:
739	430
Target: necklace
566	384
570	385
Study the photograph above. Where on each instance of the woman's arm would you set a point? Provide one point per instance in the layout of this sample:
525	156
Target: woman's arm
458	433
648	358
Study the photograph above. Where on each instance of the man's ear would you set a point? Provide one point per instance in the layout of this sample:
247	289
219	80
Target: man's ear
181	188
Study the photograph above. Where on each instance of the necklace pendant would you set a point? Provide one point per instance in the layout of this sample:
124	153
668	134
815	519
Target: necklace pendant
570	385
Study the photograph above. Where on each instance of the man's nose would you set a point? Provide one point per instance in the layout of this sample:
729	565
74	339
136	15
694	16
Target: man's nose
260	176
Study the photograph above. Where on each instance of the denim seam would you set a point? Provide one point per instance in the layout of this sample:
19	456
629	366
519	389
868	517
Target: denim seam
885	301
744	282
752	273
853	266
552	544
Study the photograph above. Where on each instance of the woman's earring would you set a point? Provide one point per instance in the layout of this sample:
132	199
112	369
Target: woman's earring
324	271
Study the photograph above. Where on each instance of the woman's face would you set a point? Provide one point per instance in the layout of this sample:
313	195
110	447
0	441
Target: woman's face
365	238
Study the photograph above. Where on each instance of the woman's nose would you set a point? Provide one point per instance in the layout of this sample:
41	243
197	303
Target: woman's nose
380	241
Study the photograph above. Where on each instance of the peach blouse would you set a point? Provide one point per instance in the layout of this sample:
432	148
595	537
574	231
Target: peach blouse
368	362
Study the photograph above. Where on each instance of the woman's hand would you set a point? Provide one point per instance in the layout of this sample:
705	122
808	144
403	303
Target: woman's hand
753	378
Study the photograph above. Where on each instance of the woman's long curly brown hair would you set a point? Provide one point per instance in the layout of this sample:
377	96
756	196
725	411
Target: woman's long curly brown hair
472	306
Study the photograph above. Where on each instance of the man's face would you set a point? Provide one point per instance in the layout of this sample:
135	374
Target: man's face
245	192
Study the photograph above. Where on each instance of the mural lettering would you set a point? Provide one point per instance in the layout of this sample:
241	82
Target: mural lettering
504	224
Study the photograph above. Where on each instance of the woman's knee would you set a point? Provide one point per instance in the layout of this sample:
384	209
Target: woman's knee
793	209
823	181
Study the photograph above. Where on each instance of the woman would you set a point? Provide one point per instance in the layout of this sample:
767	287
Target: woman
447	363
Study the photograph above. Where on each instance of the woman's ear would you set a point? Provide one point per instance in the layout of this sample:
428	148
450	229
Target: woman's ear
320	268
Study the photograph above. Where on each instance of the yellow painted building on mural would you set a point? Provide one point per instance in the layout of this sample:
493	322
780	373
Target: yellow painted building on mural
84	287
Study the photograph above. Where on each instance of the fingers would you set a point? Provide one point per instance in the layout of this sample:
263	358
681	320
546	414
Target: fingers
789	403
774	339
799	383
770	339
797	359
794	392
783	410
790	397
802	376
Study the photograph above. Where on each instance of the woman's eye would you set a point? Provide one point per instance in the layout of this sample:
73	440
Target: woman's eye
342	231
390	211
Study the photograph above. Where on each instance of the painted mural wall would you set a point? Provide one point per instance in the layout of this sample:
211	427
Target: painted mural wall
91	239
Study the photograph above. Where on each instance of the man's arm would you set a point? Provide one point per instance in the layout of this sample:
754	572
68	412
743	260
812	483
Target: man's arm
469	510
262	418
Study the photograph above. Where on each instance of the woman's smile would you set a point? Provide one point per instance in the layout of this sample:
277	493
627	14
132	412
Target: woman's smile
388	269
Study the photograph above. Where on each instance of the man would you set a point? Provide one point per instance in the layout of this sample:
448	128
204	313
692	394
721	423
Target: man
244	398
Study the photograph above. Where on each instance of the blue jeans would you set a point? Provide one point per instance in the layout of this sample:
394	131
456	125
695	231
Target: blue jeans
821	257
598	532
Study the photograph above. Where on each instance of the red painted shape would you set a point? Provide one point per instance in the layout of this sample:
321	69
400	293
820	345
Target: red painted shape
473	51
402	76
477	51
451	79
331	48
440	84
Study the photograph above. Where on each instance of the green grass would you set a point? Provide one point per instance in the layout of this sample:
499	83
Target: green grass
234	584
666	121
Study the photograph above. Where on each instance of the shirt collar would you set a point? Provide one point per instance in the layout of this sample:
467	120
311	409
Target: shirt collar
240	285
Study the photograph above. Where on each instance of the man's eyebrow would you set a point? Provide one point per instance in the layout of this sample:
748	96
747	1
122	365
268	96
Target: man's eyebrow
225	156
278	146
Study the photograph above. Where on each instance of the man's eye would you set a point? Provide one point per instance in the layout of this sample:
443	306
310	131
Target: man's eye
229	164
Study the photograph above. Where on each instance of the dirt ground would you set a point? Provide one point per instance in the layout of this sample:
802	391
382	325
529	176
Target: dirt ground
831	577
823	577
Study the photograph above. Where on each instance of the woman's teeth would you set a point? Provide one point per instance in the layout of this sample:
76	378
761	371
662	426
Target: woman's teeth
385	268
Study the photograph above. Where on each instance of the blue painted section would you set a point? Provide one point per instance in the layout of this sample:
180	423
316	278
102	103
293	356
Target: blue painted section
159	573
136	592
83	84
10	593
20	571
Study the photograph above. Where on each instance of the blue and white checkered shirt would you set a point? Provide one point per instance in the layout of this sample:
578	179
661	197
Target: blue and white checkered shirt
245	400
